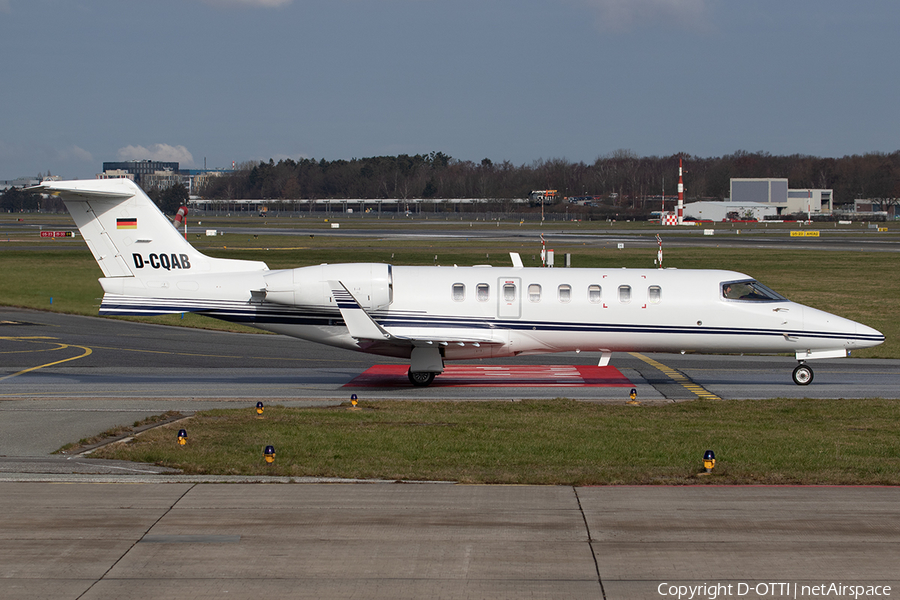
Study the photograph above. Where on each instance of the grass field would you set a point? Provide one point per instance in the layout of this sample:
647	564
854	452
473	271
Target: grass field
552	442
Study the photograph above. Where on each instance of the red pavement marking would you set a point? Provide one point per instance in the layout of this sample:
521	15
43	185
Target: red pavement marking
498	376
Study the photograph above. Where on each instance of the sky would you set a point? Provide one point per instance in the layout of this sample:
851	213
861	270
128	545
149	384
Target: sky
211	82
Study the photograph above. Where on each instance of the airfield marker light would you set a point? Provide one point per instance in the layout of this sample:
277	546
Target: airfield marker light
182	437
270	454
709	460
259	408
354	400
633	397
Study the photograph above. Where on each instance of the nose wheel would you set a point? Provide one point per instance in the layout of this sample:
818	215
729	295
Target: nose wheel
802	375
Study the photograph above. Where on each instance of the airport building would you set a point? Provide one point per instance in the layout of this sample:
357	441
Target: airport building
877	208
760	199
141	170
151	174
116	174
21	182
728	210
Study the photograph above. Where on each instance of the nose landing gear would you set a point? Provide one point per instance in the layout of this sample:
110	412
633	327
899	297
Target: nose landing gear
802	375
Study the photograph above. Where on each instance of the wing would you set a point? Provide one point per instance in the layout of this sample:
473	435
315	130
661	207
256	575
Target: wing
363	327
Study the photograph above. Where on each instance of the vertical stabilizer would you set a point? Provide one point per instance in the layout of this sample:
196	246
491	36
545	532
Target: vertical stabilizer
128	235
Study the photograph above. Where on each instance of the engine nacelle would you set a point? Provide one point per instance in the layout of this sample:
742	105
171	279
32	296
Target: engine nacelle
370	283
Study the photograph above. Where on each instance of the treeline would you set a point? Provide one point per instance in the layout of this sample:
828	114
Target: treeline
622	176
17	200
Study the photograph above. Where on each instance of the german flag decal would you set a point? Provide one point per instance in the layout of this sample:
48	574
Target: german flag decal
126	223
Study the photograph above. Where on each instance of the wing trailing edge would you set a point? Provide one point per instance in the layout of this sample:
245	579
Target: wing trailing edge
363	327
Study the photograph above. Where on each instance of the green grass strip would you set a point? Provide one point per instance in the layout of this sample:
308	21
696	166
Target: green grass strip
552	442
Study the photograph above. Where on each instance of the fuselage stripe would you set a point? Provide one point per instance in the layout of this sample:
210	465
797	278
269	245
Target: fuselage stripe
266	313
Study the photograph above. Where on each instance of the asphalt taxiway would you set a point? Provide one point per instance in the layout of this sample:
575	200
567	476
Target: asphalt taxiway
381	540
77	528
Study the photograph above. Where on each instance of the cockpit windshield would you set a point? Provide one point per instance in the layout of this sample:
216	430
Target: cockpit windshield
750	290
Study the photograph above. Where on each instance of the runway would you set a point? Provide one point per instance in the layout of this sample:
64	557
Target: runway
127	529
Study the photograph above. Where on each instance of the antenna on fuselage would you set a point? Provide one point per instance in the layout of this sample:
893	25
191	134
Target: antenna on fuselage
659	252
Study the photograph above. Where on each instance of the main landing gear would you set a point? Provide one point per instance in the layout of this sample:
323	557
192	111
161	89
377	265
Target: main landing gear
420	378
802	375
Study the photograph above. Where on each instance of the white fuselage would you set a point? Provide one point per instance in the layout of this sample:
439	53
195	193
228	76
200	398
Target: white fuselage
538	310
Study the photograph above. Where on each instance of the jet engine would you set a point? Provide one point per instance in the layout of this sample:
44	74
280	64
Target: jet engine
370	283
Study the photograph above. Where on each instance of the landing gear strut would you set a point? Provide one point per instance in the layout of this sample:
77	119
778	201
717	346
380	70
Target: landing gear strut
802	375
420	378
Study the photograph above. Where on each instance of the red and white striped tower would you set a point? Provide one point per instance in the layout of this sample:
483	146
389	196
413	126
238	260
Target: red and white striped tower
680	212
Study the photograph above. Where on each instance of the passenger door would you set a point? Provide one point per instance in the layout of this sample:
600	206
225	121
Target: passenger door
509	297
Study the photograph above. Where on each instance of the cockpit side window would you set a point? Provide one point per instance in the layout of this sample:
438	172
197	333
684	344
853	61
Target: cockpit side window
749	290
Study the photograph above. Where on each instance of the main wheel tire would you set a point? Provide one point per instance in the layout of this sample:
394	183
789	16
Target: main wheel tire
421	378
802	375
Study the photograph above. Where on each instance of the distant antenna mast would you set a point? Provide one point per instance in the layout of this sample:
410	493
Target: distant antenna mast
663	206
680	212
809	207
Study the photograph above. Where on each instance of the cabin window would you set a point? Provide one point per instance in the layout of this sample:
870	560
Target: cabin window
654	294
594	293
565	293
509	292
534	292
624	293
750	290
482	292
459	292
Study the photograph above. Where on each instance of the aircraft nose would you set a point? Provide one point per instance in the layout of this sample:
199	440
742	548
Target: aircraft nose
856	335
874	336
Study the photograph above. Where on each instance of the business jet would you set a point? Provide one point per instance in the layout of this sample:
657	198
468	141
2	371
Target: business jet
430	315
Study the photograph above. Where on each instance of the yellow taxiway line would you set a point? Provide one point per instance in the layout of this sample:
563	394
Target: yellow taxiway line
678	377
59	346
